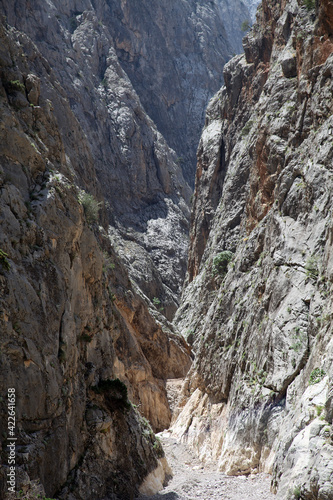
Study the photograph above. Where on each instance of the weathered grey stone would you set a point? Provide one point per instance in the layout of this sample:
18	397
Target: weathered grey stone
288	64
258	396
70	319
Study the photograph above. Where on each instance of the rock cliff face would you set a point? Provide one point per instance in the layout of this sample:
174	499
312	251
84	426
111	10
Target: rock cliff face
93	231
76	334
173	53
257	305
92	48
138	173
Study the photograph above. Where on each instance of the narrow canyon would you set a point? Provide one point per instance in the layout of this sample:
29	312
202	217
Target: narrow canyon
166	249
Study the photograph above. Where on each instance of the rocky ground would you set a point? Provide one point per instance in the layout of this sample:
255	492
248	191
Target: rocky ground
194	479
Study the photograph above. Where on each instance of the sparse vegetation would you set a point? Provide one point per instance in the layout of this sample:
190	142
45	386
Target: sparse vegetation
16	85
108	264
316	376
73	23
86	337
311	267
246	129
115	391
221	261
149	435
4	260
245	25
297	492
310	4
90	206
158	304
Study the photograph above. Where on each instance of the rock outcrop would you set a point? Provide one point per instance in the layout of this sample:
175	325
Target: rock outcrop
94	217
173	53
108	131
77	339
257	303
252	5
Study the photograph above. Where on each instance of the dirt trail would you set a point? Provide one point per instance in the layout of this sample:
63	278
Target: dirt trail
193	480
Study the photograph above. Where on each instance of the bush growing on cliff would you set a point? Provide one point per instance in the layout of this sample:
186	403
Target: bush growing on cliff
16	85
316	376
90	206
310	4
245	25
221	261
4	261
246	129
311	267
158	304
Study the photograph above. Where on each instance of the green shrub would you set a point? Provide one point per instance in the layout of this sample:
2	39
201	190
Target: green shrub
316	376
311	267
246	129
16	85
108	264
221	261
73	23
297	492
90	206
86	337
4	261
158	304
245	25
310	4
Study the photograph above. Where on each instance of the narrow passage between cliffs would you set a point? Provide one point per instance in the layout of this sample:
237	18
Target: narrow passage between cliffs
195	480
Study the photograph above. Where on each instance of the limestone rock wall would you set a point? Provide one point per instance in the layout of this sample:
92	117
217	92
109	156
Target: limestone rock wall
174	52
71	320
259	394
137	171
115	62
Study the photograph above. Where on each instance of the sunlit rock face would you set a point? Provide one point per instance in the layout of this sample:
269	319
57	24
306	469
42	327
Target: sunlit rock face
259	394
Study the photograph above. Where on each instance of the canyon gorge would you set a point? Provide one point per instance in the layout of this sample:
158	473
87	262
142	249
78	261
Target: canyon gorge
115	277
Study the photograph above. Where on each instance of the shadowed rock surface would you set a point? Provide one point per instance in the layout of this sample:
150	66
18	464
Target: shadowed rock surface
174	52
71	320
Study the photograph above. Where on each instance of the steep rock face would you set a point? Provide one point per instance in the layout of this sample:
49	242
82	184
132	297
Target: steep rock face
138	173
237	20
252	5
173	52
71	321
259	395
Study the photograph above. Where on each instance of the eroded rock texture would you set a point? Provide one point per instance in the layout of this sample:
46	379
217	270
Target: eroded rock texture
137	171
71	320
259	395
174	52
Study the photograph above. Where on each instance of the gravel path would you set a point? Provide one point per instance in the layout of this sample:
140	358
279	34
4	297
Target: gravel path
194	480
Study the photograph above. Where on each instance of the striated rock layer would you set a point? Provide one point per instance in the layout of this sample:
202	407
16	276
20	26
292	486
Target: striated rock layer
109	131
259	394
173	53
71	320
